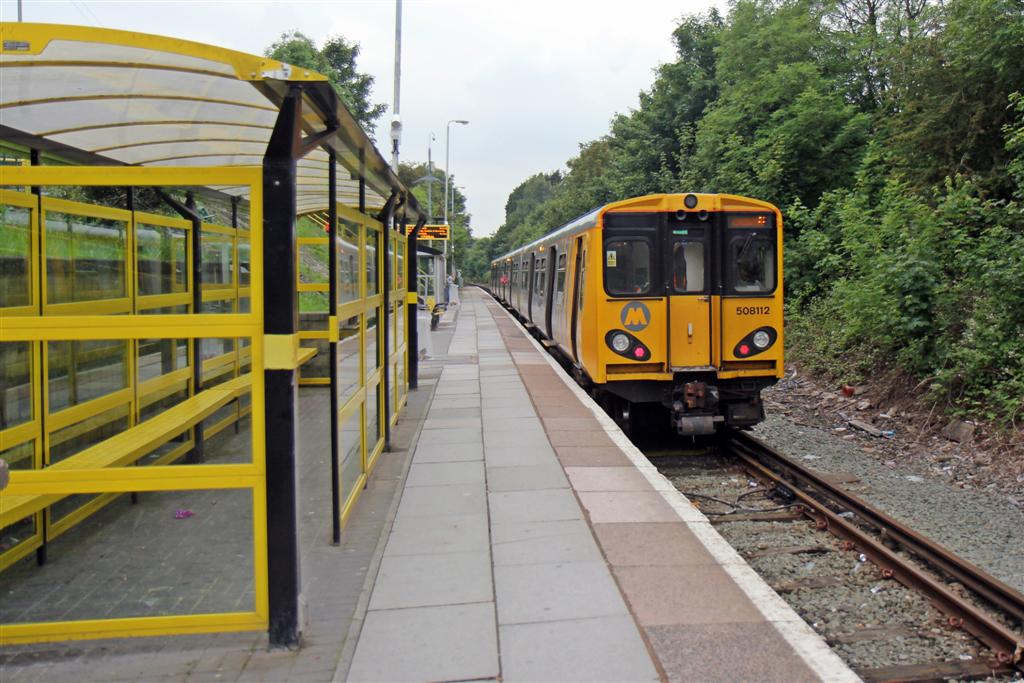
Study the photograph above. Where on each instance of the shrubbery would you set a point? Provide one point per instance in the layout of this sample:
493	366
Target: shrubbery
891	134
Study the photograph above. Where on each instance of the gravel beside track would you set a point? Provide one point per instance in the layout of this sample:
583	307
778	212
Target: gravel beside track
870	621
980	526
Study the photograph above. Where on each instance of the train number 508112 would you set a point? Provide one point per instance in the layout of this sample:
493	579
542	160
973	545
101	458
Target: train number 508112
753	310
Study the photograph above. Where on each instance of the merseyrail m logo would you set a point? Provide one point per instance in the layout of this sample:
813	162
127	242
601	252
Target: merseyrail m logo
635	316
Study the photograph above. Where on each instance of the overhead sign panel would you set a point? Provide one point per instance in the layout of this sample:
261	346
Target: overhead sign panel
435	232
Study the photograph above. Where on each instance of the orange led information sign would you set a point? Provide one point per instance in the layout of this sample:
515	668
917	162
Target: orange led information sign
435	232
750	220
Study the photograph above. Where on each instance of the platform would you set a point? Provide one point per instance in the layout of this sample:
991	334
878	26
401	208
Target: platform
512	533
534	542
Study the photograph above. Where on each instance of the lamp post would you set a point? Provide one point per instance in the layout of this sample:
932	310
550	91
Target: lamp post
430	182
447	171
461	188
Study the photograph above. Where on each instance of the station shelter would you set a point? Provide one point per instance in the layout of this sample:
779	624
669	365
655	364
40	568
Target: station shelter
188	234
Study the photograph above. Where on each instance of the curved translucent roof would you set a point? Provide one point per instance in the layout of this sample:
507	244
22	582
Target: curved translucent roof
103	96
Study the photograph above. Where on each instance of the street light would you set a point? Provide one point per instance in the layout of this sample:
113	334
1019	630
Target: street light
447	171
430	182
447	175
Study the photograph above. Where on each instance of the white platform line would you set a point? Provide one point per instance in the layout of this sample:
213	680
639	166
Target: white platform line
815	652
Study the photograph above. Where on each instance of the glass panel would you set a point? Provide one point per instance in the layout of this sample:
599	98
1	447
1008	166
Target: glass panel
313	263
348	262
372	419
751	263
141	561
211	348
74	439
218	259
688	266
372	243
372	345
627	267
162	261
85	258
21	457
400	266
244	261
83	370
314	302
16	386
351	452
320	364
349	374
15	288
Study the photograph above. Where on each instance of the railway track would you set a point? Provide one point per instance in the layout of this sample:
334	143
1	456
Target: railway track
969	599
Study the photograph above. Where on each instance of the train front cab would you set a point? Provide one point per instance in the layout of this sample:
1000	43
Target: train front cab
689	314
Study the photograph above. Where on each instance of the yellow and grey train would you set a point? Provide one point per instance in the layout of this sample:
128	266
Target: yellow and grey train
663	304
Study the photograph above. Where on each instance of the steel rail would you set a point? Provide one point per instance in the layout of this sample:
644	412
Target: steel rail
1007	645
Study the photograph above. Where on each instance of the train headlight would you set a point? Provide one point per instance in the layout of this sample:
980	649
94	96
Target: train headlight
620	342
762	339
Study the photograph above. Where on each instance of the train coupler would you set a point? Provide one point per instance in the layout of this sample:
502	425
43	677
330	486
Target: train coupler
695	425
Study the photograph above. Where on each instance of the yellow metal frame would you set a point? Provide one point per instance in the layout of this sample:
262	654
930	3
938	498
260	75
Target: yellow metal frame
86	321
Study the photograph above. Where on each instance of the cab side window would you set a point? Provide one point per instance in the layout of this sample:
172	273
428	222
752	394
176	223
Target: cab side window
750	262
627	267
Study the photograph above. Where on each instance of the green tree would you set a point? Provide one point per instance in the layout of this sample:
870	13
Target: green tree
336	60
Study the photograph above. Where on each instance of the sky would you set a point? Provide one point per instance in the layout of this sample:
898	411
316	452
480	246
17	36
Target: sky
533	78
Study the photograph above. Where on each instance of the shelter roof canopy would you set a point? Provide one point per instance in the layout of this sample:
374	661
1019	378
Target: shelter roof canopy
120	97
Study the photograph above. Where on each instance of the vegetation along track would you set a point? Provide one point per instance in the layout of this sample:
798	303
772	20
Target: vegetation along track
947	618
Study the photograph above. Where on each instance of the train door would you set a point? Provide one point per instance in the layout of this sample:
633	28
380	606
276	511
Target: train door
549	288
577	297
689	279
529	286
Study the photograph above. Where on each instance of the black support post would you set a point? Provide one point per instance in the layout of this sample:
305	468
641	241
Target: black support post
196	454
280	319
188	212
388	219
412	308
332	321
34	159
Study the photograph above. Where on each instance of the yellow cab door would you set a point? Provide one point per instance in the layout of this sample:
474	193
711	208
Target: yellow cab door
688	281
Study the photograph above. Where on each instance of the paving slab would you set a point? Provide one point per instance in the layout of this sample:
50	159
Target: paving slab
451	452
425	580
440	534
547	505
596	649
651	544
506	453
607	479
765	654
526	477
543	542
449	643
445	473
529	593
434	501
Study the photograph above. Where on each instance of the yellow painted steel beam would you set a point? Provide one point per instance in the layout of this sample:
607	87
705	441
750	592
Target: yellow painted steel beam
189	176
66	482
177	326
13	634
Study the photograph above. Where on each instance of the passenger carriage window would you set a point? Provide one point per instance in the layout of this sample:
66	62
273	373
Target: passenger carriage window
627	267
560	279
687	266
750	262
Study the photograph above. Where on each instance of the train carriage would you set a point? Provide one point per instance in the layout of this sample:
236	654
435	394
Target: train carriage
667	304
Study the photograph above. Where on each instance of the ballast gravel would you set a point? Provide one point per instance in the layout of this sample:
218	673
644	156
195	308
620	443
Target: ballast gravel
980	526
786	553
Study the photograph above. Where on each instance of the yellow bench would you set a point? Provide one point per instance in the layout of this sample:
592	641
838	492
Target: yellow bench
131	444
